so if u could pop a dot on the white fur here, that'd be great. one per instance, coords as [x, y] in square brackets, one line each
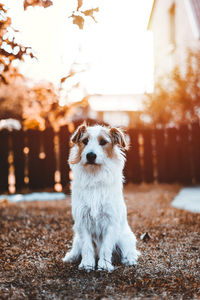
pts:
[98, 208]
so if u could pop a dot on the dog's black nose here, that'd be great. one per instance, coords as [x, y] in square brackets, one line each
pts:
[91, 156]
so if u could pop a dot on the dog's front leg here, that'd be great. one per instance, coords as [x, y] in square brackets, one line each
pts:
[75, 252]
[105, 253]
[87, 252]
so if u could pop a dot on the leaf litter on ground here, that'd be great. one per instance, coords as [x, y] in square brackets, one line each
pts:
[34, 237]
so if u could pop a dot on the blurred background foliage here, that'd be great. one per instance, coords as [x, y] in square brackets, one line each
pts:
[9, 49]
[176, 97]
[36, 106]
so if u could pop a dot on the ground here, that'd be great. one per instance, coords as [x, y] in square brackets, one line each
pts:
[35, 236]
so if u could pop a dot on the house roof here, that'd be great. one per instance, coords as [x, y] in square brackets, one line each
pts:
[117, 102]
[195, 7]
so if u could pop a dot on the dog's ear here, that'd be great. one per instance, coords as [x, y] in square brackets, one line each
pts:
[118, 138]
[78, 133]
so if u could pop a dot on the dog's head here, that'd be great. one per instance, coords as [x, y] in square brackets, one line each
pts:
[94, 146]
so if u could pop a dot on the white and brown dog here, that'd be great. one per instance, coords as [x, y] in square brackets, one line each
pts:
[98, 208]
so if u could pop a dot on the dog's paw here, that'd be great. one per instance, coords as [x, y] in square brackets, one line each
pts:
[69, 257]
[131, 259]
[87, 266]
[104, 265]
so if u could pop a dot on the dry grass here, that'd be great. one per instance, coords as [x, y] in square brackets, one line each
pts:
[35, 236]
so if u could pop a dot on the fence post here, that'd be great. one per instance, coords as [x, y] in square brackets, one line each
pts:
[4, 149]
[195, 143]
[160, 148]
[185, 171]
[49, 160]
[64, 137]
[148, 174]
[133, 168]
[19, 158]
[35, 164]
[172, 156]
[41, 164]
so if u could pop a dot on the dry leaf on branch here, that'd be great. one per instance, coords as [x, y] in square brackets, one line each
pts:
[80, 3]
[78, 20]
[43, 3]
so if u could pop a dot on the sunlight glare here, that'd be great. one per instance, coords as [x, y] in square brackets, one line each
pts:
[117, 49]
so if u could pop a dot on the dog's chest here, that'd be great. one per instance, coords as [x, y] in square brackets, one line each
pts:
[96, 218]
[94, 209]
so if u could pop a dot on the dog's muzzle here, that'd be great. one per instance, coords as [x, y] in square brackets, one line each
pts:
[91, 157]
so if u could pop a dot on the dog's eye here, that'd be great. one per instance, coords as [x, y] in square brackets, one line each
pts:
[103, 142]
[85, 141]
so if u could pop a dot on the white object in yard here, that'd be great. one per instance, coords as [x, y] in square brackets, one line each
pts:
[34, 197]
[10, 124]
[188, 199]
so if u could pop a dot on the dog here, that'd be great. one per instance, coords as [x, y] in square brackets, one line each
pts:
[97, 158]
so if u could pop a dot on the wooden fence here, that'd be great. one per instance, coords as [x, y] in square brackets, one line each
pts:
[164, 155]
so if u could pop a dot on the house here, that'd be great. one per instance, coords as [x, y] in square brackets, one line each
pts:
[117, 110]
[176, 29]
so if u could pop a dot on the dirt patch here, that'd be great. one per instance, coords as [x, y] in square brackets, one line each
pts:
[35, 236]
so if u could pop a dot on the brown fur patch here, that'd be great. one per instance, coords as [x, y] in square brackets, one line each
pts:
[92, 168]
[78, 133]
[107, 148]
[80, 146]
[76, 160]
[118, 138]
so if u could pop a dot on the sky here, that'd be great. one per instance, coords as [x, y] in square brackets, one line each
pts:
[117, 52]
